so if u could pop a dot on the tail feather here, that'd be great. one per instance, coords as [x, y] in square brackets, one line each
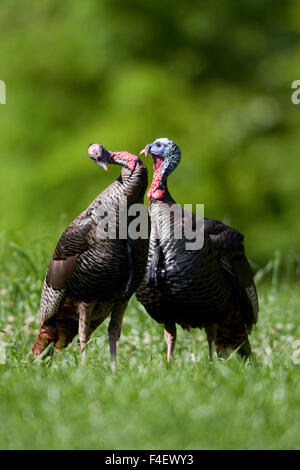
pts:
[46, 335]
[59, 329]
[232, 332]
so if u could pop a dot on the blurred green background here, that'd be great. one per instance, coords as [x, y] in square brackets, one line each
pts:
[214, 76]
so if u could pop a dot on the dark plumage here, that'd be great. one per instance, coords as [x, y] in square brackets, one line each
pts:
[211, 287]
[89, 276]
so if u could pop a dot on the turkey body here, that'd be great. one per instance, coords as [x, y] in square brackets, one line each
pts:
[92, 274]
[210, 287]
[199, 288]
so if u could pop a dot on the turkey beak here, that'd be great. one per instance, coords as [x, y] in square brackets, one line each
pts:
[103, 158]
[104, 165]
[146, 150]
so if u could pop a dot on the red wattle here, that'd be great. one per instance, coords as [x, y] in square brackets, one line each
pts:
[157, 162]
[158, 194]
[154, 190]
[131, 165]
[127, 157]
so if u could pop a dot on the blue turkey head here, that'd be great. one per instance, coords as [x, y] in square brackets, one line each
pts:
[166, 156]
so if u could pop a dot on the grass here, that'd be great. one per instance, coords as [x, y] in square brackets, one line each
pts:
[146, 404]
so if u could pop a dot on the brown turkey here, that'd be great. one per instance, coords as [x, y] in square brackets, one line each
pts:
[211, 287]
[94, 272]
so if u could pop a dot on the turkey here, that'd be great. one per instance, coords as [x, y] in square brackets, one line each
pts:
[210, 287]
[94, 272]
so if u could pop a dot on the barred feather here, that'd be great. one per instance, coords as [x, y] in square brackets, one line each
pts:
[89, 277]
[50, 300]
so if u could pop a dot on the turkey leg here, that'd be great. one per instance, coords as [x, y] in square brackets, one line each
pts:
[170, 338]
[211, 332]
[114, 330]
[84, 312]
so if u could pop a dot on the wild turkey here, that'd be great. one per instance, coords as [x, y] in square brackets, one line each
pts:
[211, 287]
[90, 276]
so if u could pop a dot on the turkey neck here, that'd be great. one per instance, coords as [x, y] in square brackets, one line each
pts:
[130, 184]
[159, 213]
[166, 200]
[133, 184]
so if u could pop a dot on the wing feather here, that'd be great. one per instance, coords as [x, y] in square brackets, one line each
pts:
[229, 244]
[71, 244]
[50, 301]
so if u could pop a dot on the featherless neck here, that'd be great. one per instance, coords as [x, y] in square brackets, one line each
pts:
[158, 192]
[158, 189]
[125, 159]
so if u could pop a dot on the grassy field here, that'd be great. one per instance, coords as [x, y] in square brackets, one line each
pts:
[191, 404]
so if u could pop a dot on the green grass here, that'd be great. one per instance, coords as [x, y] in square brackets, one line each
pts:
[191, 404]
